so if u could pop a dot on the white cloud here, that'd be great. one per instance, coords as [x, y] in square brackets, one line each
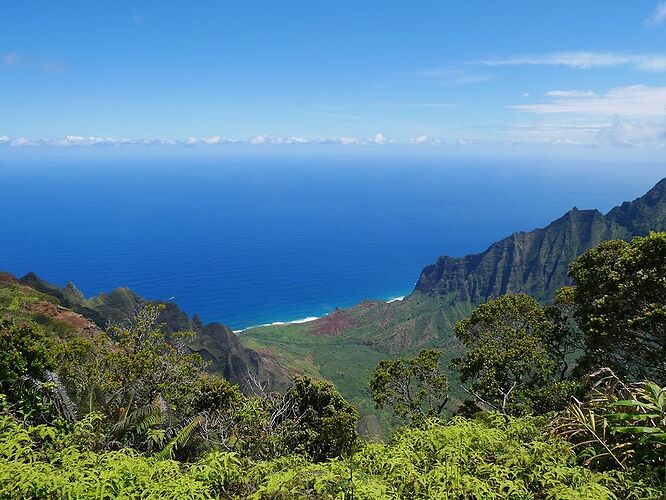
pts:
[557, 131]
[341, 140]
[588, 133]
[570, 93]
[422, 139]
[585, 60]
[658, 16]
[20, 141]
[76, 140]
[633, 101]
[290, 140]
[425, 139]
[632, 133]
[379, 139]
[260, 139]
[215, 140]
[268, 139]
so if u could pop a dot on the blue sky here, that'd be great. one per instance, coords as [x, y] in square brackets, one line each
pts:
[429, 74]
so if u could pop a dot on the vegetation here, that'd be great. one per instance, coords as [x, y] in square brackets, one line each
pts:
[132, 412]
[24, 352]
[483, 458]
[414, 388]
[619, 425]
[620, 299]
[516, 355]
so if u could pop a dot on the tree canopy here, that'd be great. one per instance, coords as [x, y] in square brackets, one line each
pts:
[516, 355]
[413, 388]
[620, 304]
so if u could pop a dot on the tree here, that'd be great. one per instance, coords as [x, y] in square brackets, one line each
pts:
[516, 355]
[414, 388]
[34, 391]
[321, 423]
[24, 351]
[140, 379]
[620, 299]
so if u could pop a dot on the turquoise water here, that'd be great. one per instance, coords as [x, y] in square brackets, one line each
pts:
[247, 241]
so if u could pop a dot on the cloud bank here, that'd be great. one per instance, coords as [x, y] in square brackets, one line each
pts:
[258, 140]
[633, 101]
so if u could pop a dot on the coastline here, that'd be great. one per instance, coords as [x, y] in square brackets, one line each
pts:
[305, 320]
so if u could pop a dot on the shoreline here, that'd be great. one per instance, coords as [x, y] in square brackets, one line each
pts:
[307, 319]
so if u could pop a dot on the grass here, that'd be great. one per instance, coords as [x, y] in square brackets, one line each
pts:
[379, 331]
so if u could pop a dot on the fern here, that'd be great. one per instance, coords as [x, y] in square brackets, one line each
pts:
[625, 424]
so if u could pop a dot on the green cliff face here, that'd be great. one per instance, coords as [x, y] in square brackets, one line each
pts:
[536, 262]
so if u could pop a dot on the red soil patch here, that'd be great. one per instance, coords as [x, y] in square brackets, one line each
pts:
[65, 315]
[7, 278]
[331, 324]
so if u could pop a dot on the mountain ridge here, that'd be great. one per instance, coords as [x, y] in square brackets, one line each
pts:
[536, 262]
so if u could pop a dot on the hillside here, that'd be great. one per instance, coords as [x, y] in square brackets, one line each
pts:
[345, 345]
[215, 342]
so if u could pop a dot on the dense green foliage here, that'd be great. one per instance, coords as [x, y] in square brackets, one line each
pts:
[516, 355]
[131, 375]
[414, 388]
[325, 426]
[619, 425]
[485, 459]
[620, 298]
[25, 351]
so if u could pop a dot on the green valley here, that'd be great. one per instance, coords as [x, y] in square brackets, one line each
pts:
[345, 345]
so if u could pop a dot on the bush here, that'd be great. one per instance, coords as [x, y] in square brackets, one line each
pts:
[490, 457]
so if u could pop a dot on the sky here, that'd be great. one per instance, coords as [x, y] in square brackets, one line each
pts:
[435, 75]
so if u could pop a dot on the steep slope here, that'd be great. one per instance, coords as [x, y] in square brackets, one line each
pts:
[215, 342]
[536, 262]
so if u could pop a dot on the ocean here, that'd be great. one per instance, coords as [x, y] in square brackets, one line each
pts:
[258, 239]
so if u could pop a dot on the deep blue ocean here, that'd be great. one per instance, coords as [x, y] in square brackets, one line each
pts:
[253, 240]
